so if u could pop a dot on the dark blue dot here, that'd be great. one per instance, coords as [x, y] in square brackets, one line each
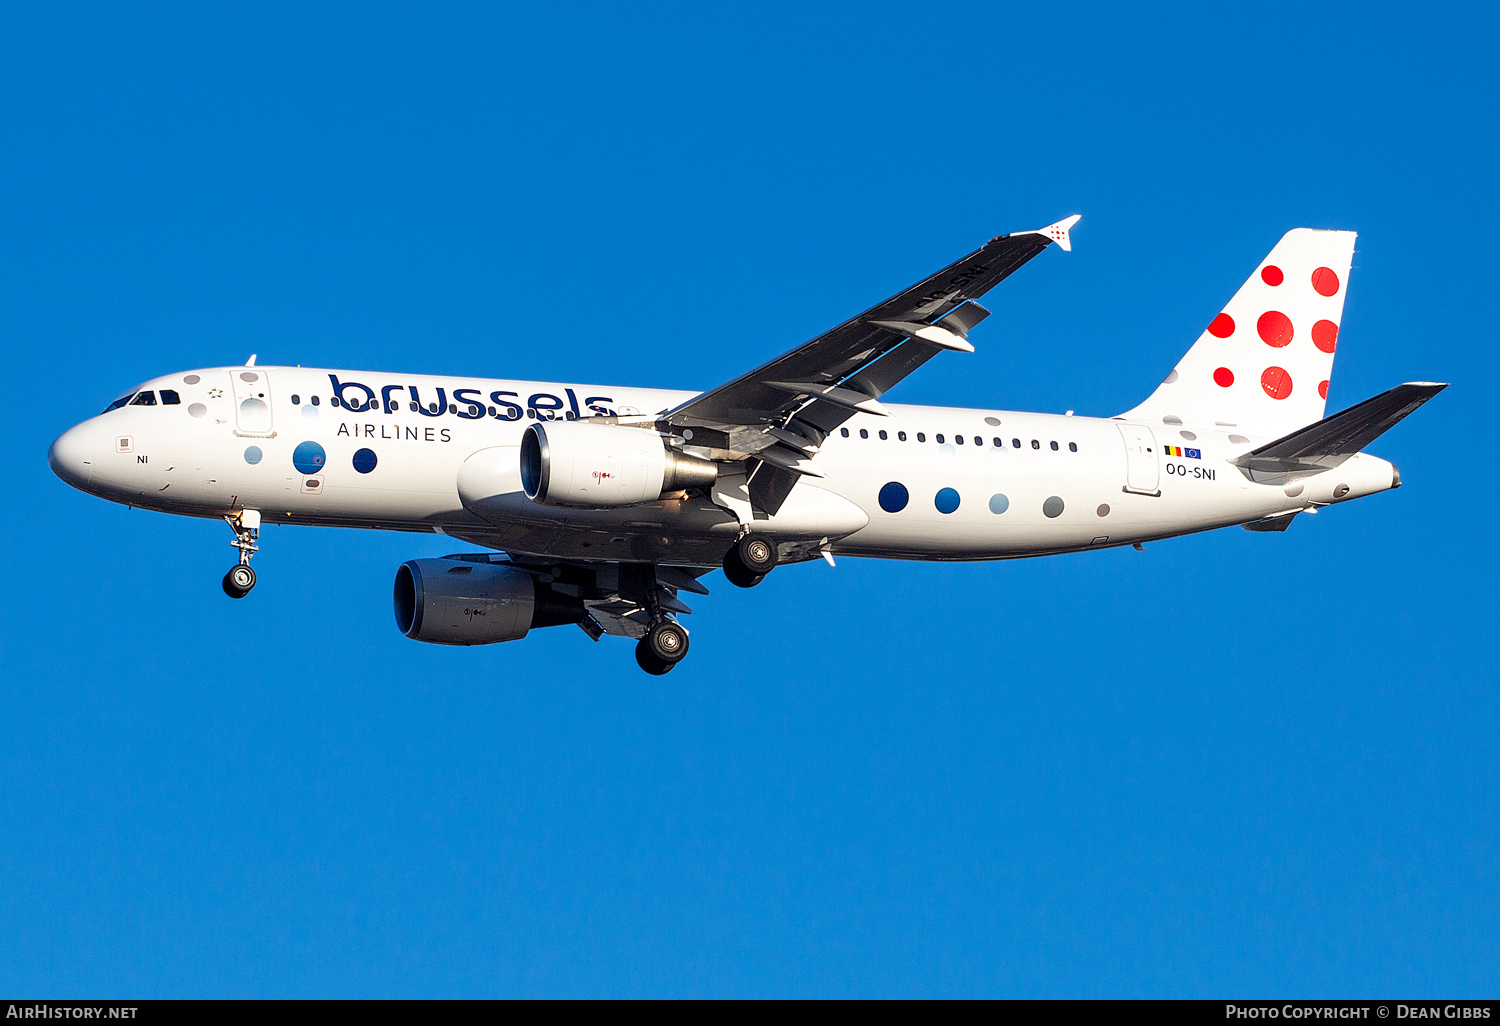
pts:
[253, 455]
[946, 501]
[894, 497]
[308, 458]
[364, 460]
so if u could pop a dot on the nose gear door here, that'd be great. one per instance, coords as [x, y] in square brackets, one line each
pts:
[1142, 466]
[252, 403]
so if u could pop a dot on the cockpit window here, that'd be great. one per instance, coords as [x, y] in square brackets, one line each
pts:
[119, 402]
[144, 399]
[170, 398]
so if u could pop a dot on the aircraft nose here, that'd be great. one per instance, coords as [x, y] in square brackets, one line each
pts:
[72, 456]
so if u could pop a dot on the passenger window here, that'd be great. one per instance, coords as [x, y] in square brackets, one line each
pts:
[144, 399]
[997, 442]
[314, 400]
[883, 436]
[939, 439]
[1072, 446]
[901, 435]
[1016, 442]
[959, 439]
[863, 433]
[296, 400]
[1035, 444]
[1054, 446]
[978, 440]
[844, 432]
[921, 437]
[170, 398]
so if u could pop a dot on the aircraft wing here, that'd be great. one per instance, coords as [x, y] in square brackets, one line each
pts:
[779, 413]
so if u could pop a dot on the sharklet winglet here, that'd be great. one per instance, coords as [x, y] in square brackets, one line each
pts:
[1058, 232]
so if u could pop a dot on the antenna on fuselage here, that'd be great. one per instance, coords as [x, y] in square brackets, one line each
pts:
[250, 362]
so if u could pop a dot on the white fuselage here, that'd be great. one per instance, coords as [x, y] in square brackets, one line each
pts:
[1024, 483]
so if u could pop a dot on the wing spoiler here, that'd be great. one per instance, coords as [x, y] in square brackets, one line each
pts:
[1332, 440]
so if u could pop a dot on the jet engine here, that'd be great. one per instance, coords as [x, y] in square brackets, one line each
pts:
[596, 466]
[453, 602]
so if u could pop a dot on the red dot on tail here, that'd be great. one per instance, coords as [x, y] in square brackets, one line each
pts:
[1275, 328]
[1223, 377]
[1271, 275]
[1325, 282]
[1325, 335]
[1222, 327]
[1277, 382]
[1322, 390]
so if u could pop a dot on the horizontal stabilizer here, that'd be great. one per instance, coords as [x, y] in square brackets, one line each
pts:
[1332, 440]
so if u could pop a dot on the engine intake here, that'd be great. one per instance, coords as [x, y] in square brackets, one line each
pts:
[453, 602]
[597, 466]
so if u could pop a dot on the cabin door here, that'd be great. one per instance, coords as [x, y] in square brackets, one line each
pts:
[252, 402]
[1142, 467]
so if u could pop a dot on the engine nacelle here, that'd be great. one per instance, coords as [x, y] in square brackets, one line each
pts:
[598, 466]
[453, 602]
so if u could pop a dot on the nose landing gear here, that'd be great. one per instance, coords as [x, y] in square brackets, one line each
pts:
[246, 526]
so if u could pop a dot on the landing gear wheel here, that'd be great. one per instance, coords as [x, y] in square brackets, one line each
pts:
[239, 581]
[757, 554]
[736, 572]
[667, 642]
[649, 662]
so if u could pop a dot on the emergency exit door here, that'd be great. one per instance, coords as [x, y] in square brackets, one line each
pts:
[1142, 466]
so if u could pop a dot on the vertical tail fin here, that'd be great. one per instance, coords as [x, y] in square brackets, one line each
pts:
[1263, 363]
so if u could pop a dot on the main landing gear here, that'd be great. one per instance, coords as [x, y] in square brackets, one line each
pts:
[246, 526]
[662, 648]
[752, 557]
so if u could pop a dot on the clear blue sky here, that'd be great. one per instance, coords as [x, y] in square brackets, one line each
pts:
[1238, 763]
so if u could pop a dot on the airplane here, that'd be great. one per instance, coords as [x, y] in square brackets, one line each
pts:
[599, 505]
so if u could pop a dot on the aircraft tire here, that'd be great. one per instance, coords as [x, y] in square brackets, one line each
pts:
[737, 573]
[648, 660]
[757, 554]
[238, 581]
[668, 642]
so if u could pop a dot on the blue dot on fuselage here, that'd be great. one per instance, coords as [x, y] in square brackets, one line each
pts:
[252, 455]
[364, 460]
[308, 458]
[894, 497]
[946, 500]
[999, 504]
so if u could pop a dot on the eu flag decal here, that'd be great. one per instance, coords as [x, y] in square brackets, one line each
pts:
[1177, 450]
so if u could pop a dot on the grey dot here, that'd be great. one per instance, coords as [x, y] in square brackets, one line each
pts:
[191, 379]
[1170, 378]
[1340, 491]
[1188, 435]
[1171, 419]
[1239, 439]
[999, 504]
[1293, 490]
[247, 376]
[1103, 509]
[1053, 507]
[992, 421]
[197, 410]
